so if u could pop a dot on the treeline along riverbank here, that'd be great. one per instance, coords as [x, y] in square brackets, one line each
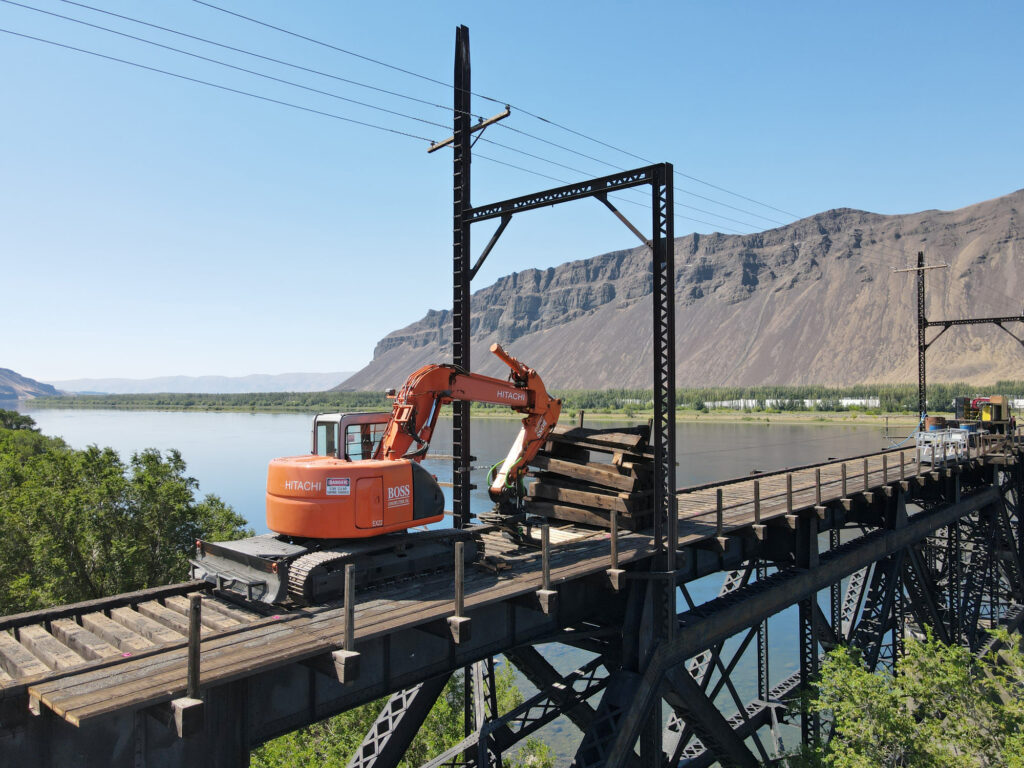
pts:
[879, 399]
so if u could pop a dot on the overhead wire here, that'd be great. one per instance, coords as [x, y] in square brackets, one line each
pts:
[338, 96]
[214, 85]
[518, 108]
[349, 81]
[394, 93]
[228, 65]
[278, 101]
[877, 247]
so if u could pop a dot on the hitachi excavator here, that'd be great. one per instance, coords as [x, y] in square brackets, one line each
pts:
[353, 498]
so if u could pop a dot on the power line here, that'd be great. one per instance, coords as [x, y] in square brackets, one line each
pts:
[487, 98]
[327, 45]
[271, 59]
[228, 65]
[216, 85]
[296, 106]
[332, 95]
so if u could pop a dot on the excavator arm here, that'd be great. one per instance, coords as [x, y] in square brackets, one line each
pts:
[417, 404]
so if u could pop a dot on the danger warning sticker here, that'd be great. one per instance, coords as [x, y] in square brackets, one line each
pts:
[339, 486]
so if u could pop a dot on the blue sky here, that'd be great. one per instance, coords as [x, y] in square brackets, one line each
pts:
[152, 226]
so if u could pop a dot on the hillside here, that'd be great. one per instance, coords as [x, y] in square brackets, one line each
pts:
[813, 302]
[14, 386]
[257, 382]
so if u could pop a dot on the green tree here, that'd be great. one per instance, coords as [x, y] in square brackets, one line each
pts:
[944, 709]
[15, 420]
[81, 524]
[332, 742]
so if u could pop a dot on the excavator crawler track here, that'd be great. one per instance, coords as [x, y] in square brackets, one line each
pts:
[319, 576]
[317, 569]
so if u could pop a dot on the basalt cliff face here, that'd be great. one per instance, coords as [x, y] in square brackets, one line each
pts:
[813, 302]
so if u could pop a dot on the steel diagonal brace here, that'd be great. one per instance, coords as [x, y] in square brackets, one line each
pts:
[719, 619]
[603, 197]
[397, 724]
[545, 677]
[707, 722]
[572, 690]
[922, 590]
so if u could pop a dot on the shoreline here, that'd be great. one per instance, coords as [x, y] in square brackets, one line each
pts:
[765, 418]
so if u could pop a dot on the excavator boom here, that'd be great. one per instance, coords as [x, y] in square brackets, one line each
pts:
[417, 405]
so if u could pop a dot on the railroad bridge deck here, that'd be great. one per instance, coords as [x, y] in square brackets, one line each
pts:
[100, 683]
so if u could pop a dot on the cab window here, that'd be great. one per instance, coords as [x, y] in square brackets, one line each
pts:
[362, 440]
[327, 439]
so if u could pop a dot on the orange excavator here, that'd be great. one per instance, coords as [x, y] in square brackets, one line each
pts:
[352, 499]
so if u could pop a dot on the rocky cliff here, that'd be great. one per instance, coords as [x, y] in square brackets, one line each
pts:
[14, 386]
[813, 302]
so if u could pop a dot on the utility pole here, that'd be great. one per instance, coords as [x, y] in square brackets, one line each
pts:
[923, 324]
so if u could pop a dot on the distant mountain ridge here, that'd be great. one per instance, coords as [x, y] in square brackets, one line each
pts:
[812, 302]
[256, 382]
[14, 386]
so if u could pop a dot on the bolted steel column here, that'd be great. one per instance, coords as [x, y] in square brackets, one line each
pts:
[663, 272]
[461, 276]
[922, 342]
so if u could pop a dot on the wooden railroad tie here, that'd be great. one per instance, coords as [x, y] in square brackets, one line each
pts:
[585, 476]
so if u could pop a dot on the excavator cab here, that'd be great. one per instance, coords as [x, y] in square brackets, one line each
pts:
[350, 436]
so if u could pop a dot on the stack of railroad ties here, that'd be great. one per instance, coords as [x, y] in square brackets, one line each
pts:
[578, 481]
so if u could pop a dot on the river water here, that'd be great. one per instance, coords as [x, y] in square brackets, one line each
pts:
[228, 453]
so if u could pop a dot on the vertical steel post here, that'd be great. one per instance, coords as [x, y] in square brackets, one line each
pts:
[757, 501]
[955, 582]
[614, 518]
[195, 615]
[350, 607]
[461, 276]
[843, 471]
[922, 343]
[460, 571]
[663, 273]
[545, 556]
[835, 598]
[763, 671]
